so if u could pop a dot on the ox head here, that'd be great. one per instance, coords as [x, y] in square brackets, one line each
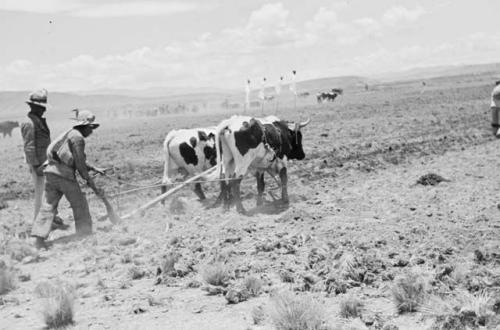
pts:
[296, 151]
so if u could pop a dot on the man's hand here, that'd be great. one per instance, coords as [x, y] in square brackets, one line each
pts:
[39, 169]
[99, 170]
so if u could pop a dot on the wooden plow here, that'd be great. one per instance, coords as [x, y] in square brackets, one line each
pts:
[162, 197]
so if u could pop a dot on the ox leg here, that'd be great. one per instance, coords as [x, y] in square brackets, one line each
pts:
[198, 191]
[284, 185]
[260, 187]
[222, 194]
[235, 189]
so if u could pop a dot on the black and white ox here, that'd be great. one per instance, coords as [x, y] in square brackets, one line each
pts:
[190, 151]
[6, 127]
[328, 96]
[256, 145]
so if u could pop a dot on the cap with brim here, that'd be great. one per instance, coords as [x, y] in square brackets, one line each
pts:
[86, 118]
[38, 98]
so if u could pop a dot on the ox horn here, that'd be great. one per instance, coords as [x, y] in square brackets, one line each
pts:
[303, 124]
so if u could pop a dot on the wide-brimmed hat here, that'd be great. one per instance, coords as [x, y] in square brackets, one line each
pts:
[38, 97]
[86, 118]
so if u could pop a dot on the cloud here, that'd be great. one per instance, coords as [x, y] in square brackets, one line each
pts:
[400, 14]
[106, 8]
[267, 44]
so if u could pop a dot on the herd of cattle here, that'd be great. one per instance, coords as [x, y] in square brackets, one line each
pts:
[6, 127]
[237, 146]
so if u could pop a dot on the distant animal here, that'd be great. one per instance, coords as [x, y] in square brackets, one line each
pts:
[6, 127]
[329, 96]
[257, 145]
[303, 94]
[269, 97]
[191, 151]
[254, 104]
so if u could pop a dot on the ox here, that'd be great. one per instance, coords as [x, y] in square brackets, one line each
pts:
[245, 144]
[191, 151]
[329, 96]
[6, 127]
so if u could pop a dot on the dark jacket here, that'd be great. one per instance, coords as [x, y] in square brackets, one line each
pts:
[36, 137]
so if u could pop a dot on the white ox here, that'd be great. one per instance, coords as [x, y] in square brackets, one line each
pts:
[190, 151]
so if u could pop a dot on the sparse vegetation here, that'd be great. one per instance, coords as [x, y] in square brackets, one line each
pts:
[216, 274]
[57, 303]
[258, 314]
[350, 307]
[253, 285]
[408, 292]
[462, 310]
[7, 280]
[291, 312]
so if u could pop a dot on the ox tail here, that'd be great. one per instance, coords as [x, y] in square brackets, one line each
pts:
[218, 173]
[166, 154]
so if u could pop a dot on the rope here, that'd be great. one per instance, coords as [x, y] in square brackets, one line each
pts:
[126, 192]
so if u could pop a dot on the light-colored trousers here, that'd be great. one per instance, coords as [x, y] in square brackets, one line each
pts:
[38, 182]
[55, 188]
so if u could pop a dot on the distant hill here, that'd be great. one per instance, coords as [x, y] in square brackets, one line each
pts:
[440, 71]
[168, 99]
[159, 92]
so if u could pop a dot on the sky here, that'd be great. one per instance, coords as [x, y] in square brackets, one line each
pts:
[85, 45]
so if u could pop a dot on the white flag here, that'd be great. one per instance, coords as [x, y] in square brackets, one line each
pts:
[247, 93]
[277, 88]
[262, 94]
[293, 84]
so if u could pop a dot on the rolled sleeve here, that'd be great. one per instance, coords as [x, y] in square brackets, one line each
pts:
[28, 133]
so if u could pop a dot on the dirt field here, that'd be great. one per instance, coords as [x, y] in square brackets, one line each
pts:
[357, 221]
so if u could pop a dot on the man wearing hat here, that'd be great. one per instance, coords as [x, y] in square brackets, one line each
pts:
[495, 109]
[36, 137]
[66, 156]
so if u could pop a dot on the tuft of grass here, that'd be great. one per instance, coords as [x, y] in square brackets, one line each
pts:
[216, 274]
[461, 310]
[350, 268]
[351, 307]
[136, 273]
[57, 303]
[7, 280]
[291, 312]
[253, 285]
[168, 264]
[408, 292]
[258, 314]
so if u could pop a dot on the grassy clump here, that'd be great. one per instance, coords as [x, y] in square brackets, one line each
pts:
[7, 280]
[57, 303]
[291, 312]
[216, 274]
[351, 307]
[253, 285]
[408, 292]
[462, 310]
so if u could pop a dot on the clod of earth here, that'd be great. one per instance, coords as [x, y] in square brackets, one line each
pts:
[431, 179]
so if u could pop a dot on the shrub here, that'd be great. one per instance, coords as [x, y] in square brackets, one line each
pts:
[7, 280]
[253, 285]
[216, 274]
[290, 312]
[258, 315]
[351, 307]
[57, 299]
[462, 310]
[408, 292]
